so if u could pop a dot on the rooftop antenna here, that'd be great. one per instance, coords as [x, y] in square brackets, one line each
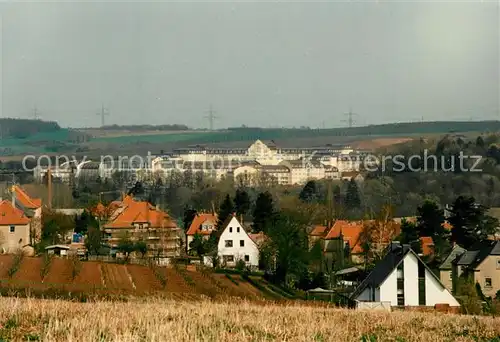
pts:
[104, 112]
[211, 117]
[350, 118]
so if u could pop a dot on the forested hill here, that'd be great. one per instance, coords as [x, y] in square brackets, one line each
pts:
[430, 127]
[23, 128]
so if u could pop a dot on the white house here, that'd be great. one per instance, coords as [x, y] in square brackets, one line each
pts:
[402, 279]
[235, 244]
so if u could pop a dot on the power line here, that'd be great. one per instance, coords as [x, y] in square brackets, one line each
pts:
[103, 113]
[350, 118]
[211, 117]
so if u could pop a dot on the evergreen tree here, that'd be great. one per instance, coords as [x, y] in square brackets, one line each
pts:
[188, 217]
[309, 192]
[470, 222]
[226, 209]
[352, 200]
[263, 212]
[241, 202]
[430, 220]
[409, 235]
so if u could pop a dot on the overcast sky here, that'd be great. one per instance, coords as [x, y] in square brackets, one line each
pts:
[266, 64]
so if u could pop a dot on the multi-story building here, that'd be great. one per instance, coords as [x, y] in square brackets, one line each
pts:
[141, 221]
[14, 228]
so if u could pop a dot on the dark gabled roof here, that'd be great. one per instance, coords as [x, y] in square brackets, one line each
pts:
[395, 254]
[477, 253]
[456, 252]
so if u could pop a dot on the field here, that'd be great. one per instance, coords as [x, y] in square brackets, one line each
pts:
[63, 279]
[157, 319]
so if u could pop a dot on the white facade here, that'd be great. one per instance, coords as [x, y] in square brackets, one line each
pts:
[387, 291]
[235, 244]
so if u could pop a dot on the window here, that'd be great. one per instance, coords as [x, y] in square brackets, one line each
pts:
[498, 264]
[247, 257]
[228, 258]
[229, 243]
[12, 229]
[487, 282]
[238, 229]
[230, 229]
[451, 276]
[242, 243]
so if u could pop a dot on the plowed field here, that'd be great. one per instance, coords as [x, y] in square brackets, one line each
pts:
[102, 278]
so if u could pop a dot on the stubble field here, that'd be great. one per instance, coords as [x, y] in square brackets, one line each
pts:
[236, 320]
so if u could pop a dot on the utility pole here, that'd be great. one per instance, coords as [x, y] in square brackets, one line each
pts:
[350, 118]
[102, 114]
[211, 117]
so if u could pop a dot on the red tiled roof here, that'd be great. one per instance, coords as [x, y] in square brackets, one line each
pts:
[10, 215]
[318, 231]
[258, 238]
[198, 221]
[25, 199]
[137, 212]
[427, 245]
[350, 232]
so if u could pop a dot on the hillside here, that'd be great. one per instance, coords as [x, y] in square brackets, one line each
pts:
[62, 277]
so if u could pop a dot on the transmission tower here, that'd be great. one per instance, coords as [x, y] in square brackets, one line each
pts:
[211, 118]
[36, 113]
[103, 114]
[350, 118]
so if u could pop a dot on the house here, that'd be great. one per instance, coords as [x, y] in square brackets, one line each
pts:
[402, 279]
[141, 221]
[203, 224]
[445, 269]
[236, 244]
[32, 208]
[481, 264]
[14, 228]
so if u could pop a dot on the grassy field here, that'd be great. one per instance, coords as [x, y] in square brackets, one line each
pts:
[236, 320]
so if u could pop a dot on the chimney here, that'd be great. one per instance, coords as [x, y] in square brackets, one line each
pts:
[13, 198]
[157, 207]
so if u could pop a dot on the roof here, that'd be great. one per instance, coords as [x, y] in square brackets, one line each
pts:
[198, 221]
[351, 231]
[57, 246]
[10, 215]
[318, 231]
[473, 257]
[25, 200]
[258, 238]
[396, 252]
[427, 245]
[455, 252]
[140, 212]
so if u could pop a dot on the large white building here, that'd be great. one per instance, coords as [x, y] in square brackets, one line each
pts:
[402, 279]
[285, 166]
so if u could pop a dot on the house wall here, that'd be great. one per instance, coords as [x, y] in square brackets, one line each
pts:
[435, 293]
[249, 248]
[445, 277]
[388, 289]
[489, 268]
[411, 280]
[10, 242]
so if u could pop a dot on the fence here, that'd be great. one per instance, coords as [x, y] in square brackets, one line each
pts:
[376, 306]
[134, 261]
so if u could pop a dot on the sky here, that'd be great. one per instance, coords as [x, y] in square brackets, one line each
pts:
[257, 63]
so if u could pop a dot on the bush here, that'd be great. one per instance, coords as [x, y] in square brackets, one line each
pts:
[16, 263]
[240, 265]
[44, 270]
